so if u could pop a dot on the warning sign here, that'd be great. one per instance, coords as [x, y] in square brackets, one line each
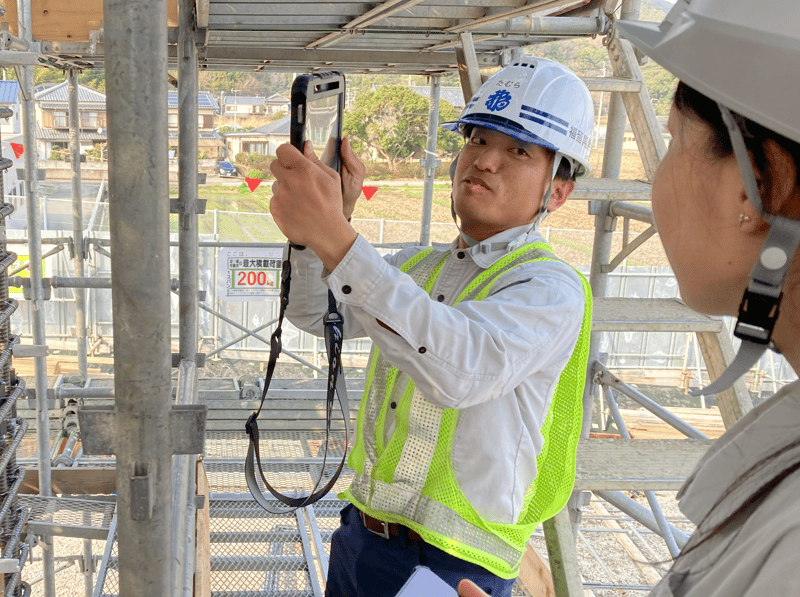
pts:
[250, 274]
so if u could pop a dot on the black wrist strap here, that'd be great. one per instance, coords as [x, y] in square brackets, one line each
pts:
[336, 388]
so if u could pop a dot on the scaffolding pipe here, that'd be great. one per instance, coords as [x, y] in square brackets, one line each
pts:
[655, 507]
[187, 180]
[135, 37]
[66, 282]
[431, 161]
[186, 393]
[77, 218]
[605, 377]
[634, 211]
[34, 225]
[640, 514]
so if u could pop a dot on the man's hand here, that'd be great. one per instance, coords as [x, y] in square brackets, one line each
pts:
[307, 204]
[467, 588]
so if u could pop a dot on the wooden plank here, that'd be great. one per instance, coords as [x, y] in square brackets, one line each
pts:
[202, 558]
[717, 354]
[534, 574]
[62, 20]
[642, 424]
[74, 481]
[638, 106]
[563, 556]
[619, 464]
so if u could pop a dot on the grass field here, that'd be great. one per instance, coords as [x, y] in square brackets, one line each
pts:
[393, 213]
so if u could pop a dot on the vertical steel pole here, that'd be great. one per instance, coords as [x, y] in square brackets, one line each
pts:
[136, 87]
[77, 218]
[187, 179]
[37, 295]
[431, 160]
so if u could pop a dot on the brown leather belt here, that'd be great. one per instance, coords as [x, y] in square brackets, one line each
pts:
[387, 529]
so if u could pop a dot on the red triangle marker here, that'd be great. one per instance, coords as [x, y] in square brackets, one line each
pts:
[18, 149]
[369, 192]
[253, 183]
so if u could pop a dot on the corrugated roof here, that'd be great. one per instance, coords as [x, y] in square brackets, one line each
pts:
[205, 101]
[277, 98]
[239, 100]
[47, 134]
[9, 92]
[59, 94]
[276, 127]
[202, 135]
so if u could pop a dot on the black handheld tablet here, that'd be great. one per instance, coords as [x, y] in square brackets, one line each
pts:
[317, 109]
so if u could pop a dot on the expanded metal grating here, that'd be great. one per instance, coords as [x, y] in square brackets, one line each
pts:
[291, 461]
[68, 517]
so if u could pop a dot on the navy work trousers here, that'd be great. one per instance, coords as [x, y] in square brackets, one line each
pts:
[363, 564]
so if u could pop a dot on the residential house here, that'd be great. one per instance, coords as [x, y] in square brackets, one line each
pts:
[52, 118]
[237, 105]
[209, 142]
[276, 103]
[9, 98]
[263, 140]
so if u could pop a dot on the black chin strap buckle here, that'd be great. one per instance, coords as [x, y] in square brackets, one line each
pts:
[757, 316]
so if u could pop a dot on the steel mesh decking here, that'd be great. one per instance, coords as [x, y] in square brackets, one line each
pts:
[291, 461]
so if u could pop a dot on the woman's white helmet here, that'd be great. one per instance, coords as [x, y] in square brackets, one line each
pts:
[536, 101]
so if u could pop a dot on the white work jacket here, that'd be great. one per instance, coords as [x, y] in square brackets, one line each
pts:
[497, 360]
[758, 553]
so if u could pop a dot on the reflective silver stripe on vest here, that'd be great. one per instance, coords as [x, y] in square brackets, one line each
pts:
[420, 444]
[435, 517]
[385, 376]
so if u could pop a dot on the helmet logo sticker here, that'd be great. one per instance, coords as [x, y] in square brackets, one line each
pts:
[499, 100]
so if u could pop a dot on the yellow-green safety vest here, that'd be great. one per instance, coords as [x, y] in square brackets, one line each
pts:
[428, 499]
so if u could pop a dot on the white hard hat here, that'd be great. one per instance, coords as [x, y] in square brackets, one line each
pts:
[742, 54]
[536, 101]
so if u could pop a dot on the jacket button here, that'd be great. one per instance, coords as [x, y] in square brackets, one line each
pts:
[460, 254]
[422, 350]
[346, 289]
[393, 405]
[440, 298]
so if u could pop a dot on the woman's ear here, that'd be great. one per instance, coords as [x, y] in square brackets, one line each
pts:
[560, 191]
[784, 191]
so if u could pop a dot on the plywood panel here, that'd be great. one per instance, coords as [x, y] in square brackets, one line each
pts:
[61, 20]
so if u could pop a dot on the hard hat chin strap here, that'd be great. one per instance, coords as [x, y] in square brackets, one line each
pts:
[546, 199]
[759, 308]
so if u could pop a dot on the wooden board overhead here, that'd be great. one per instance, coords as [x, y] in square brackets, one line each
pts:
[60, 20]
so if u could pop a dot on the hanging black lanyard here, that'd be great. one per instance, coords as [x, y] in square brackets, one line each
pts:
[336, 387]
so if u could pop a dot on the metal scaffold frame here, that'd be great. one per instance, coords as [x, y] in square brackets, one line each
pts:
[163, 491]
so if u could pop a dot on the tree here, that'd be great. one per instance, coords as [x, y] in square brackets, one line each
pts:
[392, 123]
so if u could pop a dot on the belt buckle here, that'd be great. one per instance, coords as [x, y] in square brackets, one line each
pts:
[384, 526]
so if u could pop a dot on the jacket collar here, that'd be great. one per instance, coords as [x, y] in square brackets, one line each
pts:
[486, 252]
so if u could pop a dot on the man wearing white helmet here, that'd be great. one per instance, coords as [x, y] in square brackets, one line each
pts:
[465, 382]
[726, 201]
